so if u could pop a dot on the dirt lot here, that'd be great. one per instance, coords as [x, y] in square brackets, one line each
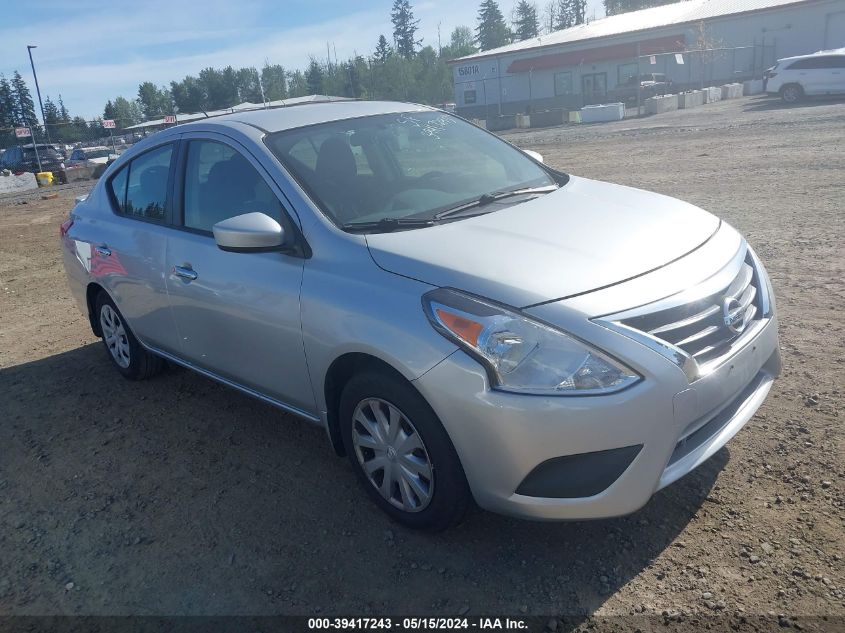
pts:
[180, 496]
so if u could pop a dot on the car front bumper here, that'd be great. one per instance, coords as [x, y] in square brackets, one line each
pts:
[665, 426]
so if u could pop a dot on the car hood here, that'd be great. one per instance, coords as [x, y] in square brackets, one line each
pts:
[585, 236]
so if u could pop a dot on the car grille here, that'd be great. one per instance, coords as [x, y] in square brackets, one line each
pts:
[705, 329]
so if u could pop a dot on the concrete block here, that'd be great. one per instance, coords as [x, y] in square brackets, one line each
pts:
[752, 87]
[712, 94]
[523, 121]
[731, 91]
[603, 113]
[656, 105]
[75, 174]
[9, 183]
[687, 100]
[547, 118]
[500, 123]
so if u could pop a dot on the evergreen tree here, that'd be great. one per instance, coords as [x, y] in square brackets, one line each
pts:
[297, 85]
[404, 28]
[314, 78]
[249, 85]
[7, 105]
[526, 24]
[109, 111]
[24, 106]
[614, 7]
[569, 13]
[491, 31]
[383, 50]
[274, 80]
[64, 116]
[51, 117]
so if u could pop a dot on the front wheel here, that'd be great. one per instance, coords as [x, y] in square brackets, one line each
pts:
[401, 453]
[791, 93]
[125, 352]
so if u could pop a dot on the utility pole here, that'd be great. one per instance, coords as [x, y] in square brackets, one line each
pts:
[38, 92]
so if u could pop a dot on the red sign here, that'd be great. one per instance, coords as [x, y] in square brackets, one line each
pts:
[22, 132]
[170, 118]
[108, 123]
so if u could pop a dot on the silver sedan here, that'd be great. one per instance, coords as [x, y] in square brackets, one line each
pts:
[465, 322]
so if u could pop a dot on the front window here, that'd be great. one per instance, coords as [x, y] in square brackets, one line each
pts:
[220, 183]
[413, 165]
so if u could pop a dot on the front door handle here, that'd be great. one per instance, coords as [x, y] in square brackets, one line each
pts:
[105, 251]
[185, 273]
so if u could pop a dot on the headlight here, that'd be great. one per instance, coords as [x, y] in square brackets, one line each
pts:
[523, 355]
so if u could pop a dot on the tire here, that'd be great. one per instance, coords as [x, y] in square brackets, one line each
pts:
[428, 489]
[791, 93]
[123, 349]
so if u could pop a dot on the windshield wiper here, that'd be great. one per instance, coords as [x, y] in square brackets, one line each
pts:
[388, 224]
[488, 198]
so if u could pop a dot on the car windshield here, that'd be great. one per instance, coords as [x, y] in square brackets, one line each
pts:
[405, 166]
[100, 153]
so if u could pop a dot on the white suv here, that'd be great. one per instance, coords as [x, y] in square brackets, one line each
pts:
[821, 73]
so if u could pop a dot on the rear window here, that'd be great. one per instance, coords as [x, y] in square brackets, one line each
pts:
[140, 188]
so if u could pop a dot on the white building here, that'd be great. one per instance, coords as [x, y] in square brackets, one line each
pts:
[579, 65]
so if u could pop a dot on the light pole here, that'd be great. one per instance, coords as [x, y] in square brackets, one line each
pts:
[38, 92]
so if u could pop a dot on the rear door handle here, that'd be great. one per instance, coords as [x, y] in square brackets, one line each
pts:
[185, 273]
[105, 251]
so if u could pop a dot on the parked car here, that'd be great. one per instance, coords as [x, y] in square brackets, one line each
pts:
[91, 157]
[793, 78]
[464, 321]
[647, 84]
[22, 158]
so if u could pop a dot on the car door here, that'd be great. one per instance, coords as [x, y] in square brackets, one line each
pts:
[127, 246]
[835, 81]
[237, 313]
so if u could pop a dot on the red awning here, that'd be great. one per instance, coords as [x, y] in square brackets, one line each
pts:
[668, 44]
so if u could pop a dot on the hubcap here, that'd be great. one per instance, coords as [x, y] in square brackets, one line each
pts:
[392, 454]
[114, 334]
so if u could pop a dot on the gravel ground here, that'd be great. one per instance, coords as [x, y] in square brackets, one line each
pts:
[180, 496]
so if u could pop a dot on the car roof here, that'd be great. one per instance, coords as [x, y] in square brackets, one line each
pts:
[832, 51]
[291, 117]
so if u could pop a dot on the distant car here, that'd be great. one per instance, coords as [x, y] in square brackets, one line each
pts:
[23, 158]
[793, 78]
[91, 156]
[648, 84]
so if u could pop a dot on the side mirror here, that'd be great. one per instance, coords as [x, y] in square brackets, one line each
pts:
[249, 232]
[535, 155]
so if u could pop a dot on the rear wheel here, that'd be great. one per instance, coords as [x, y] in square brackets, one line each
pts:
[125, 352]
[791, 93]
[401, 453]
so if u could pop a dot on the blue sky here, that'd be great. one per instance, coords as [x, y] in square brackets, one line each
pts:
[90, 51]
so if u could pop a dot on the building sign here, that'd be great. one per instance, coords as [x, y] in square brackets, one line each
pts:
[22, 132]
[108, 123]
[170, 118]
[468, 71]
